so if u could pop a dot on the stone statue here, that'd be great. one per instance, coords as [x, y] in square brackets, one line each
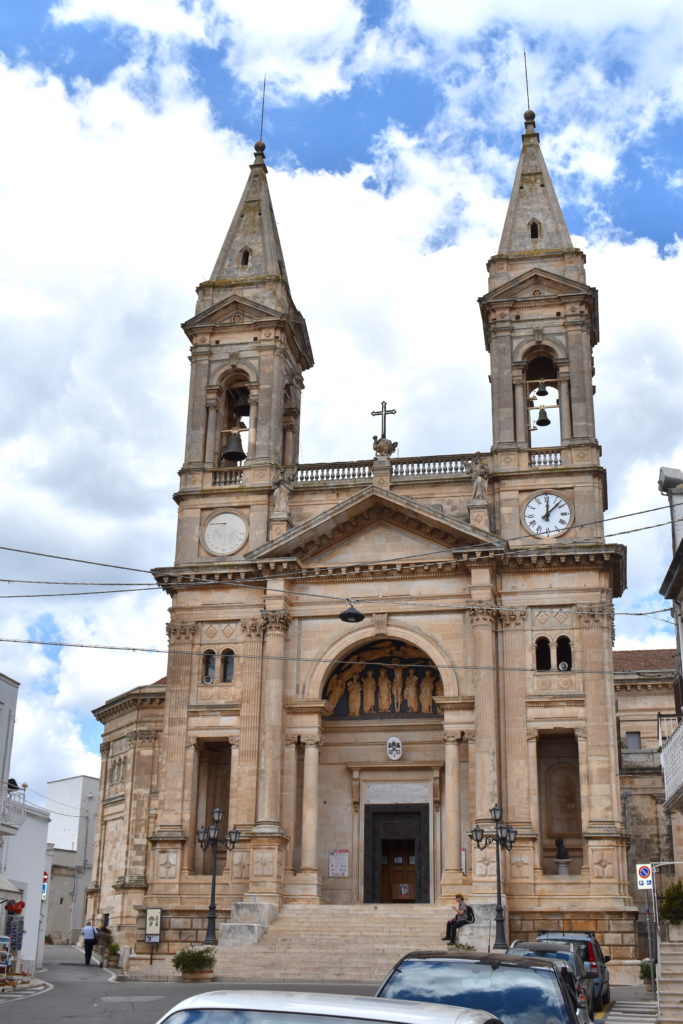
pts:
[412, 683]
[383, 446]
[281, 491]
[427, 692]
[369, 692]
[480, 480]
[562, 851]
[354, 696]
[335, 691]
[384, 685]
[397, 686]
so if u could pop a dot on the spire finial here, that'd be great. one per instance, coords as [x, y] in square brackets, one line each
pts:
[263, 107]
[526, 79]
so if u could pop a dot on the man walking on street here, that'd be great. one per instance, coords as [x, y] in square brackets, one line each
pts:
[89, 934]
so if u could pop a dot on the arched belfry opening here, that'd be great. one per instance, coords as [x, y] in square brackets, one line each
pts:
[234, 419]
[544, 429]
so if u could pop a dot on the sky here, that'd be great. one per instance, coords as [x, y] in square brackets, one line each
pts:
[392, 130]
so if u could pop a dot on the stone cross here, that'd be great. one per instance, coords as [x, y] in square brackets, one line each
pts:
[384, 412]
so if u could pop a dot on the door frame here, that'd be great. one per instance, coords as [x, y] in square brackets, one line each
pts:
[395, 821]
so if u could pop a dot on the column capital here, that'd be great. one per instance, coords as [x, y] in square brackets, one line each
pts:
[512, 618]
[181, 631]
[532, 734]
[276, 622]
[312, 741]
[253, 628]
[453, 737]
[482, 614]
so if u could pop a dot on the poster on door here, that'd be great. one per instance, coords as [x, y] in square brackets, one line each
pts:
[338, 864]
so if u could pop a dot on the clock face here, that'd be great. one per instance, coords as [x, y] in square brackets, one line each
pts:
[547, 515]
[225, 533]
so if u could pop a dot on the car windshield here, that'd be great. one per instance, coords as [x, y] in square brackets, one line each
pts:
[226, 1015]
[516, 995]
[551, 954]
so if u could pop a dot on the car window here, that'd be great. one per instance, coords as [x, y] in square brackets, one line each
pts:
[225, 1015]
[517, 996]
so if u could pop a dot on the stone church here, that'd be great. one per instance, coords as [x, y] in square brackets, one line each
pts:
[354, 747]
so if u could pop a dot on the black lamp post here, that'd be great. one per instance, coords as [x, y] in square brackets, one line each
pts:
[207, 836]
[501, 835]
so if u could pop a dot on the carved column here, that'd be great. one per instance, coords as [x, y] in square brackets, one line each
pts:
[521, 413]
[211, 426]
[565, 410]
[482, 622]
[245, 803]
[517, 796]
[289, 796]
[309, 830]
[270, 752]
[452, 827]
[180, 665]
[532, 768]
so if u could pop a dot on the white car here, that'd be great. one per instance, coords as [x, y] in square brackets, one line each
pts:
[261, 1007]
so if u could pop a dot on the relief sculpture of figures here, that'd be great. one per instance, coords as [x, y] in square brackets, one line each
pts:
[369, 692]
[397, 686]
[354, 695]
[412, 683]
[384, 684]
[427, 692]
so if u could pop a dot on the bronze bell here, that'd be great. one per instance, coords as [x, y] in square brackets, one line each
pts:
[232, 449]
[240, 405]
[543, 418]
[541, 390]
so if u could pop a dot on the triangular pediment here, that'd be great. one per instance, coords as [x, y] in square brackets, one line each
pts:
[376, 526]
[536, 284]
[233, 309]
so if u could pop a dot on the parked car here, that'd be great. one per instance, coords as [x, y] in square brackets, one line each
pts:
[519, 990]
[570, 956]
[593, 958]
[257, 1007]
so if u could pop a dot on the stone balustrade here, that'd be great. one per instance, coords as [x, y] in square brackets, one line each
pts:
[545, 457]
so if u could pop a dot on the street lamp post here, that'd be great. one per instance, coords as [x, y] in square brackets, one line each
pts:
[502, 835]
[207, 836]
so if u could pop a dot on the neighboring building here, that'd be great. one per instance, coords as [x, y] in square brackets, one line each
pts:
[12, 798]
[644, 683]
[671, 484]
[72, 804]
[355, 756]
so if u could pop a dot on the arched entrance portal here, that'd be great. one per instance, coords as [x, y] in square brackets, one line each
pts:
[383, 724]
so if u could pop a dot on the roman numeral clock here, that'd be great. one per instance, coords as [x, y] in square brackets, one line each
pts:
[547, 514]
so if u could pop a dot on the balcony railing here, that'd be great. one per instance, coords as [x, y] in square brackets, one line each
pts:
[672, 765]
[640, 760]
[12, 809]
[401, 469]
[323, 472]
[431, 465]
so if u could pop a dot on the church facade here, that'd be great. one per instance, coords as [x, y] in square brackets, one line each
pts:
[354, 754]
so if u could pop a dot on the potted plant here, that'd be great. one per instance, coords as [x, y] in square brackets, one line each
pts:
[195, 963]
[646, 972]
[113, 950]
[671, 909]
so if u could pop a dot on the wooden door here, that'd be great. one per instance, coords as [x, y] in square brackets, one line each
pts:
[397, 881]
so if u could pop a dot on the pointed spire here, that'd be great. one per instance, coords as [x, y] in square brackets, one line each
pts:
[534, 221]
[250, 261]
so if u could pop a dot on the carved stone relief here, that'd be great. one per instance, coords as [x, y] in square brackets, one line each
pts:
[384, 677]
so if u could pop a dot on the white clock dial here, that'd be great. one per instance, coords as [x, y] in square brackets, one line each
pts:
[547, 514]
[225, 533]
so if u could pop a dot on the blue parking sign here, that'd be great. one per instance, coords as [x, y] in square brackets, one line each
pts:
[644, 872]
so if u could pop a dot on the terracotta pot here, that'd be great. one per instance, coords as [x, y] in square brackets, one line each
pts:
[204, 975]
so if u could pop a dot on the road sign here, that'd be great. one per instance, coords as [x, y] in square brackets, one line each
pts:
[644, 872]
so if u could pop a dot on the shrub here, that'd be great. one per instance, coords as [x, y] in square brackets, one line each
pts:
[195, 959]
[671, 907]
[646, 969]
[113, 949]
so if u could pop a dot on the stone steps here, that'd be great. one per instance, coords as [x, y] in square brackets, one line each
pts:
[670, 983]
[344, 943]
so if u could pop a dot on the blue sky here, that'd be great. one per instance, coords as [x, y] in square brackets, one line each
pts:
[392, 130]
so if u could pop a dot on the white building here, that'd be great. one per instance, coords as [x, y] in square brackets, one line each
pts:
[72, 804]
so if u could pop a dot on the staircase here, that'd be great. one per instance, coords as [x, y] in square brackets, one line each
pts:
[670, 983]
[342, 943]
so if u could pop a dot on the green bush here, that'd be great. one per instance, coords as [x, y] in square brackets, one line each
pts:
[671, 907]
[197, 959]
[113, 949]
[646, 969]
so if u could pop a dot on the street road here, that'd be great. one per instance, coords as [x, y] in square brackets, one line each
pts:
[83, 994]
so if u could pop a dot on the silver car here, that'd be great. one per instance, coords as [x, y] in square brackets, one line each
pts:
[259, 1007]
[570, 957]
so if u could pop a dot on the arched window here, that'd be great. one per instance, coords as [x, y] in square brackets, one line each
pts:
[534, 229]
[542, 654]
[227, 665]
[245, 257]
[564, 653]
[209, 667]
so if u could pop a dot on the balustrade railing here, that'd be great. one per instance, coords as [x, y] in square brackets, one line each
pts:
[322, 472]
[431, 465]
[545, 457]
[672, 764]
[227, 477]
[13, 808]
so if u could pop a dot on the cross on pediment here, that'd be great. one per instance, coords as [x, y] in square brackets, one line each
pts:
[384, 412]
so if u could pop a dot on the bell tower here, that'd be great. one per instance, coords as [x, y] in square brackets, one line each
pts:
[540, 326]
[249, 350]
